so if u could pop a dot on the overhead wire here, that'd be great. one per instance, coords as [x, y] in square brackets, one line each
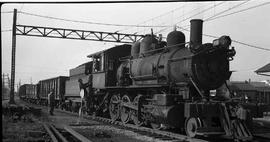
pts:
[242, 10]
[235, 6]
[164, 15]
[257, 47]
[183, 13]
[19, 14]
[236, 41]
[215, 16]
[194, 15]
[195, 9]
[88, 22]
[37, 67]
[178, 17]
[7, 12]
[247, 70]
[151, 19]
[6, 30]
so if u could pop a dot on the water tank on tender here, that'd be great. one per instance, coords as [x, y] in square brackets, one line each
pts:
[148, 43]
[135, 49]
[175, 38]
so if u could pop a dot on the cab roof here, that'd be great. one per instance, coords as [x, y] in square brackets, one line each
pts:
[103, 51]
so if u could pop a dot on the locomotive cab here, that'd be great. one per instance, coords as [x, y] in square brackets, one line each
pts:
[105, 65]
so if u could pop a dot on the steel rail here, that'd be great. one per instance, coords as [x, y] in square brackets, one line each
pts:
[156, 133]
[58, 134]
[153, 133]
[76, 134]
[54, 139]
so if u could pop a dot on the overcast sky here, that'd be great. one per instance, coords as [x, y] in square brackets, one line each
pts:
[40, 58]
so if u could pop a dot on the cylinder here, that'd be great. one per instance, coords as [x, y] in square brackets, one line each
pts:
[196, 32]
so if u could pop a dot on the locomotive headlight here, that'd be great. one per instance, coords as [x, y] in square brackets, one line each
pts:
[224, 41]
[216, 42]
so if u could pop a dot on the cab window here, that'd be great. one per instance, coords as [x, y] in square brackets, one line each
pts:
[98, 63]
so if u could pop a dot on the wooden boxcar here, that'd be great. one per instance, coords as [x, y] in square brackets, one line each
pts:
[57, 84]
[29, 92]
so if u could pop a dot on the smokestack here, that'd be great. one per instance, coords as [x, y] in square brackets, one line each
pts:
[195, 32]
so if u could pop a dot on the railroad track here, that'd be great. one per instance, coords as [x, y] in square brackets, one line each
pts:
[64, 135]
[157, 134]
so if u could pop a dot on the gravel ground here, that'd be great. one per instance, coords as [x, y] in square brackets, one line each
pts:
[106, 133]
[97, 131]
[22, 131]
[93, 130]
[27, 129]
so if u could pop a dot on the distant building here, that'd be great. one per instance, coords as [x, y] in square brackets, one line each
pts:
[254, 92]
[263, 91]
[243, 90]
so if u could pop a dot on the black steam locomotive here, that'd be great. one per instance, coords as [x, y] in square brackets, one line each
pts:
[163, 84]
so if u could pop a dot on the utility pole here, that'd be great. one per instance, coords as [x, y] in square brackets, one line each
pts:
[13, 54]
[3, 86]
[3, 79]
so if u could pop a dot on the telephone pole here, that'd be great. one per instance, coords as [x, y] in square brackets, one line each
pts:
[13, 54]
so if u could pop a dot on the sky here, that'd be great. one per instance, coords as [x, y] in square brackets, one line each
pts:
[40, 58]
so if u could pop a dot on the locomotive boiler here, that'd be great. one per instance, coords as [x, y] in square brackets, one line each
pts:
[205, 66]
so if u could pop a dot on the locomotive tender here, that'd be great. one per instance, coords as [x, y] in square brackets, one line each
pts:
[165, 84]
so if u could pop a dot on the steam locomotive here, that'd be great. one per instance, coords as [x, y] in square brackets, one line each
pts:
[161, 84]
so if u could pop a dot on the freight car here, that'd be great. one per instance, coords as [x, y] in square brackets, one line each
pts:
[28, 92]
[163, 84]
[57, 85]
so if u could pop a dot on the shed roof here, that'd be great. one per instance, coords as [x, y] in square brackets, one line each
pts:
[264, 69]
[105, 50]
[83, 64]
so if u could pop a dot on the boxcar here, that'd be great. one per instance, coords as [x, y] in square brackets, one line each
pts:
[57, 84]
[29, 92]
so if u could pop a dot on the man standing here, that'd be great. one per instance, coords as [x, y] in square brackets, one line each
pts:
[83, 93]
[86, 89]
[51, 100]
